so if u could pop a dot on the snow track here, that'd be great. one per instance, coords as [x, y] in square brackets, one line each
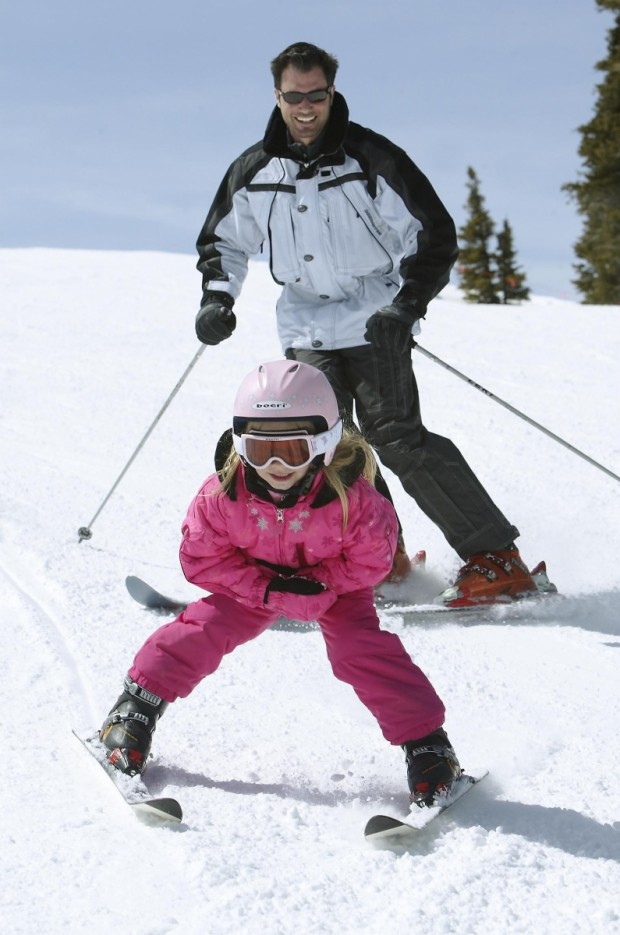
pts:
[41, 631]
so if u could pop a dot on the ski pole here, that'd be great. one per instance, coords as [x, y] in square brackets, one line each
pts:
[516, 412]
[85, 532]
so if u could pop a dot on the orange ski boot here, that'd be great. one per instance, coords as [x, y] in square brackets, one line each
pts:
[489, 578]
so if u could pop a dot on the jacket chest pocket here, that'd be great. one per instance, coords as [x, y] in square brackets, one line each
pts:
[359, 237]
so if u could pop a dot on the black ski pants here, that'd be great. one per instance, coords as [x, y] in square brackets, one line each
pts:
[382, 387]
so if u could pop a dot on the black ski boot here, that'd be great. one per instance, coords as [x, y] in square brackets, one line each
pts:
[128, 728]
[432, 767]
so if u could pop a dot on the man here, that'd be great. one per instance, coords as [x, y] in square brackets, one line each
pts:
[360, 243]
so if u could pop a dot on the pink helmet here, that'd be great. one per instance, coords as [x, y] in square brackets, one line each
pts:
[284, 390]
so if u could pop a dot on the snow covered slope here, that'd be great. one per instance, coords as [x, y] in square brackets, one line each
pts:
[278, 765]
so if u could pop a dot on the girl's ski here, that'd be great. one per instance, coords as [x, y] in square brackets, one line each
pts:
[132, 788]
[385, 827]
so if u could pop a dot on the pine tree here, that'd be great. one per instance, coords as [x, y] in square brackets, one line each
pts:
[598, 193]
[475, 258]
[510, 280]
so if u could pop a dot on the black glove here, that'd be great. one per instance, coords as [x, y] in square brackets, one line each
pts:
[390, 327]
[216, 320]
[293, 585]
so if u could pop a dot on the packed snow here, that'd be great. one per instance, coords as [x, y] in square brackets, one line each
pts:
[277, 765]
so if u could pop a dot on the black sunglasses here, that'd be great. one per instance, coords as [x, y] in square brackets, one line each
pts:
[296, 97]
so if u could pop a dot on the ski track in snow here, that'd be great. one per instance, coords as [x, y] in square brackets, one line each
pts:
[32, 608]
[276, 764]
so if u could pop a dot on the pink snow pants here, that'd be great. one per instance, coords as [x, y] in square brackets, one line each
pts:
[177, 656]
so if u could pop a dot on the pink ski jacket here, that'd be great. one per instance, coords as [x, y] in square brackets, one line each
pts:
[234, 545]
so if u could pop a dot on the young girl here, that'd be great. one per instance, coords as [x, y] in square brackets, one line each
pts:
[290, 525]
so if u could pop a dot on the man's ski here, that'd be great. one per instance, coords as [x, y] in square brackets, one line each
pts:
[399, 599]
[395, 830]
[407, 597]
[154, 600]
[144, 594]
[132, 788]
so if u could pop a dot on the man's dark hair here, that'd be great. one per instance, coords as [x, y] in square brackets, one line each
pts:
[304, 57]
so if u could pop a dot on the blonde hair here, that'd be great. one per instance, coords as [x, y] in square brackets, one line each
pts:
[346, 454]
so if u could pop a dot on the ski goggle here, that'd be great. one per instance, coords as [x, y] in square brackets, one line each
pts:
[296, 97]
[295, 450]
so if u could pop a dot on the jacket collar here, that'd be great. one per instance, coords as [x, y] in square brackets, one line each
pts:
[254, 484]
[276, 141]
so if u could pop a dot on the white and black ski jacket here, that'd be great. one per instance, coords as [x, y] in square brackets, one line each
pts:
[346, 230]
